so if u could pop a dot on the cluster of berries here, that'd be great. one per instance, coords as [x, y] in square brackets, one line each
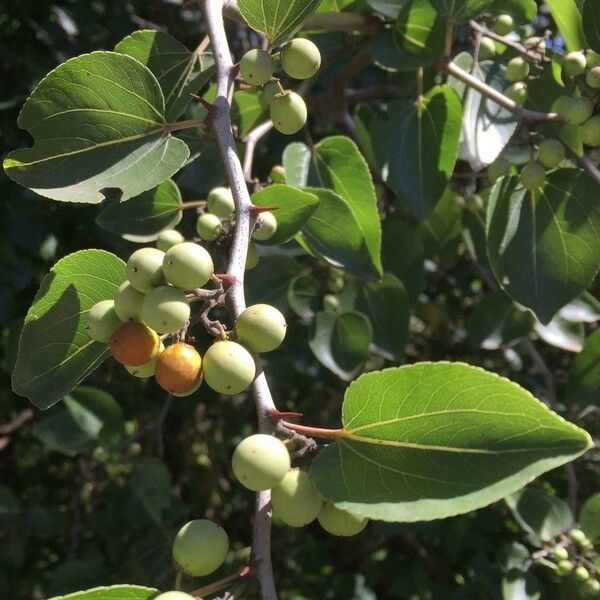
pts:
[300, 59]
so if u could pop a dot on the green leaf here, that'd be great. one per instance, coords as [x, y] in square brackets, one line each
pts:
[142, 218]
[584, 375]
[98, 123]
[304, 295]
[431, 440]
[585, 309]
[341, 342]
[423, 147]
[343, 169]
[178, 71]
[151, 486]
[522, 10]
[544, 246]
[113, 592]
[520, 585]
[269, 281]
[277, 19]
[561, 333]
[460, 11]
[591, 24]
[388, 8]
[568, 19]
[246, 110]
[589, 517]
[294, 208]
[299, 168]
[390, 54]
[442, 230]
[386, 305]
[55, 352]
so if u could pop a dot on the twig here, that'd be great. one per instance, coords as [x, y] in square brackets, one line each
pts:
[587, 165]
[21, 419]
[217, 586]
[221, 124]
[251, 140]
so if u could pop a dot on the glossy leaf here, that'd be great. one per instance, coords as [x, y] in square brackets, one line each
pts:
[388, 8]
[298, 165]
[441, 231]
[568, 19]
[269, 281]
[561, 333]
[246, 111]
[303, 295]
[55, 352]
[589, 517]
[591, 24]
[113, 142]
[460, 11]
[585, 309]
[520, 585]
[113, 592]
[522, 10]
[544, 246]
[583, 385]
[430, 440]
[151, 486]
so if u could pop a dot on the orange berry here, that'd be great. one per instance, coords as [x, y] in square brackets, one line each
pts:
[134, 344]
[178, 368]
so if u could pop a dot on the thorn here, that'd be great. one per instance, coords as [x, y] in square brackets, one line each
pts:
[277, 415]
[256, 210]
[207, 105]
[245, 571]
[226, 278]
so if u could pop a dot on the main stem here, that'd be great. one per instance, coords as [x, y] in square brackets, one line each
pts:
[221, 123]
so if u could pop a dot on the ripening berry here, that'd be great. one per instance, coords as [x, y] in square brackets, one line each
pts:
[190, 391]
[200, 547]
[533, 175]
[168, 238]
[128, 302]
[265, 227]
[260, 462]
[551, 153]
[504, 24]
[228, 368]
[517, 69]
[592, 78]
[146, 370]
[517, 92]
[592, 59]
[574, 63]
[175, 596]
[134, 344]
[339, 522]
[220, 202]
[590, 132]
[252, 257]
[209, 227]
[256, 67]
[487, 48]
[144, 269]
[188, 266]
[261, 328]
[166, 309]
[178, 368]
[560, 553]
[331, 302]
[499, 168]
[277, 174]
[576, 111]
[102, 321]
[288, 113]
[300, 58]
[295, 499]
[268, 93]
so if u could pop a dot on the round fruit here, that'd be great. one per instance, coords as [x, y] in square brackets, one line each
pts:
[590, 132]
[574, 63]
[578, 536]
[134, 344]
[256, 66]
[551, 153]
[592, 59]
[487, 48]
[252, 257]
[565, 567]
[339, 522]
[268, 93]
[331, 302]
[144, 269]
[228, 368]
[209, 227]
[504, 24]
[592, 78]
[577, 111]
[220, 202]
[558, 106]
[300, 58]
[146, 370]
[561, 554]
[261, 328]
[517, 69]
[296, 500]
[168, 238]
[336, 282]
[517, 92]
[581, 573]
[190, 391]
[178, 368]
[536, 43]
[188, 266]
[533, 175]
[128, 302]
[265, 228]
[260, 462]
[277, 174]
[499, 168]
[175, 596]
[166, 309]
[200, 547]
[102, 320]
[592, 586]
[288, 113]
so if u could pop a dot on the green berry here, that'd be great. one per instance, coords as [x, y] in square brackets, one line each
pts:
[300, 58]
[209, 227]
[128, 302]
[504, 24]
[220, 202]
[256, 67]
[200, 547]
[591, 586]
[581, 573]
[175, 596]
[261, 328]
[268, 93]
[260, 462]
[487, 48]
[144, 269]
[168, 238]
[517, 69]
[166, 309]
[102, 321]
[533, 175]
[590, 132]
[331, 302]
[592, 78]
[499, 168]
[517, 92]
[560, 553]
[277, 174]
[288, 113]
[551, 153]
[577, 111]
[339, 522]
[147, 369]
[574, 63]
[565, 567]
[296, 500]
[228, 368]
[592, 59]
[336, 282]
[265, 227]
[252, 257]
[578, 536]
[188, 266]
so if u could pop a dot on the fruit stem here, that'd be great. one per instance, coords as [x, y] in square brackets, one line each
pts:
[193, 204]
[187, 124]
[220, 584]
[320, 432]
